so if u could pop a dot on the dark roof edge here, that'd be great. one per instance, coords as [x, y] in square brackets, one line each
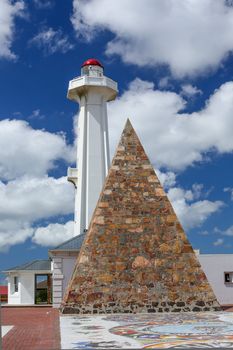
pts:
[23, 266]
[64, 250]
[69, 240]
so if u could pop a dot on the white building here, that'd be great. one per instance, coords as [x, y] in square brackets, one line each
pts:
[64, 257]
[30, 283]
[219, 271]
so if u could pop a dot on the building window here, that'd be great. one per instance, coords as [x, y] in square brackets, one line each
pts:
[228, 277]
[43, 289]
[16, 284]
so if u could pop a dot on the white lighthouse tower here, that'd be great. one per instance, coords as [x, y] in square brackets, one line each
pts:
[91, 90]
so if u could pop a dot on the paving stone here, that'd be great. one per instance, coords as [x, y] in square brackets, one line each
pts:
[35, 328]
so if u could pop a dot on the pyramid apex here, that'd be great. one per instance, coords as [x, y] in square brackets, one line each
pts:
[129, 132]
[128, 124]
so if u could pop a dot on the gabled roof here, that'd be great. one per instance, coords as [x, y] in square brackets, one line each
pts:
[36, 265]
[74, 243]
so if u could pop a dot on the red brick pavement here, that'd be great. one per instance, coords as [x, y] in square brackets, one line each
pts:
[34, 328]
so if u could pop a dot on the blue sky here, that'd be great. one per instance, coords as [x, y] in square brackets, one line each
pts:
[174, 67]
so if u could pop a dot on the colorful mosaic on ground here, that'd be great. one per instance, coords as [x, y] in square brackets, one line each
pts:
[136, 257]
[148, 331]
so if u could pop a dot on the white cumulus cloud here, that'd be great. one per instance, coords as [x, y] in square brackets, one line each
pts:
[27, 193]
[26, 200]
[226, 232]
[190, 36]
[189, 90]
[30, 199]
[167, 179]
[43, 4]
[218, 242]
[191, 209]
[13, 232]
[24, 150]
[9, 10]
[192, 213]
[174, 139]
[230, 190]
[51, 41]
[53, 234]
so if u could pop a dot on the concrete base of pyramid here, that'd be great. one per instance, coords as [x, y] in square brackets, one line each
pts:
[150, 307]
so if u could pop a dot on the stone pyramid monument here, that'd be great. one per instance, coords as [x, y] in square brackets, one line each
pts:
[136, 256]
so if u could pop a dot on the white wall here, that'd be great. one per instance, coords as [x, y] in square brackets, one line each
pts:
[62, 270]
[214, 266]
[13, 297]
[27, 288]
[57, 281]
[68, 268]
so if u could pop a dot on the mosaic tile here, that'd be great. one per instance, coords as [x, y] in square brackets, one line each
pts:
[145, 331]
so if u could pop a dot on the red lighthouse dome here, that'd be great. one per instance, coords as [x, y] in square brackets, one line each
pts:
[92, 62]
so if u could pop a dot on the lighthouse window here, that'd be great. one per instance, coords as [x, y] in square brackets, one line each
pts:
[85, 70]
[228, 277]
